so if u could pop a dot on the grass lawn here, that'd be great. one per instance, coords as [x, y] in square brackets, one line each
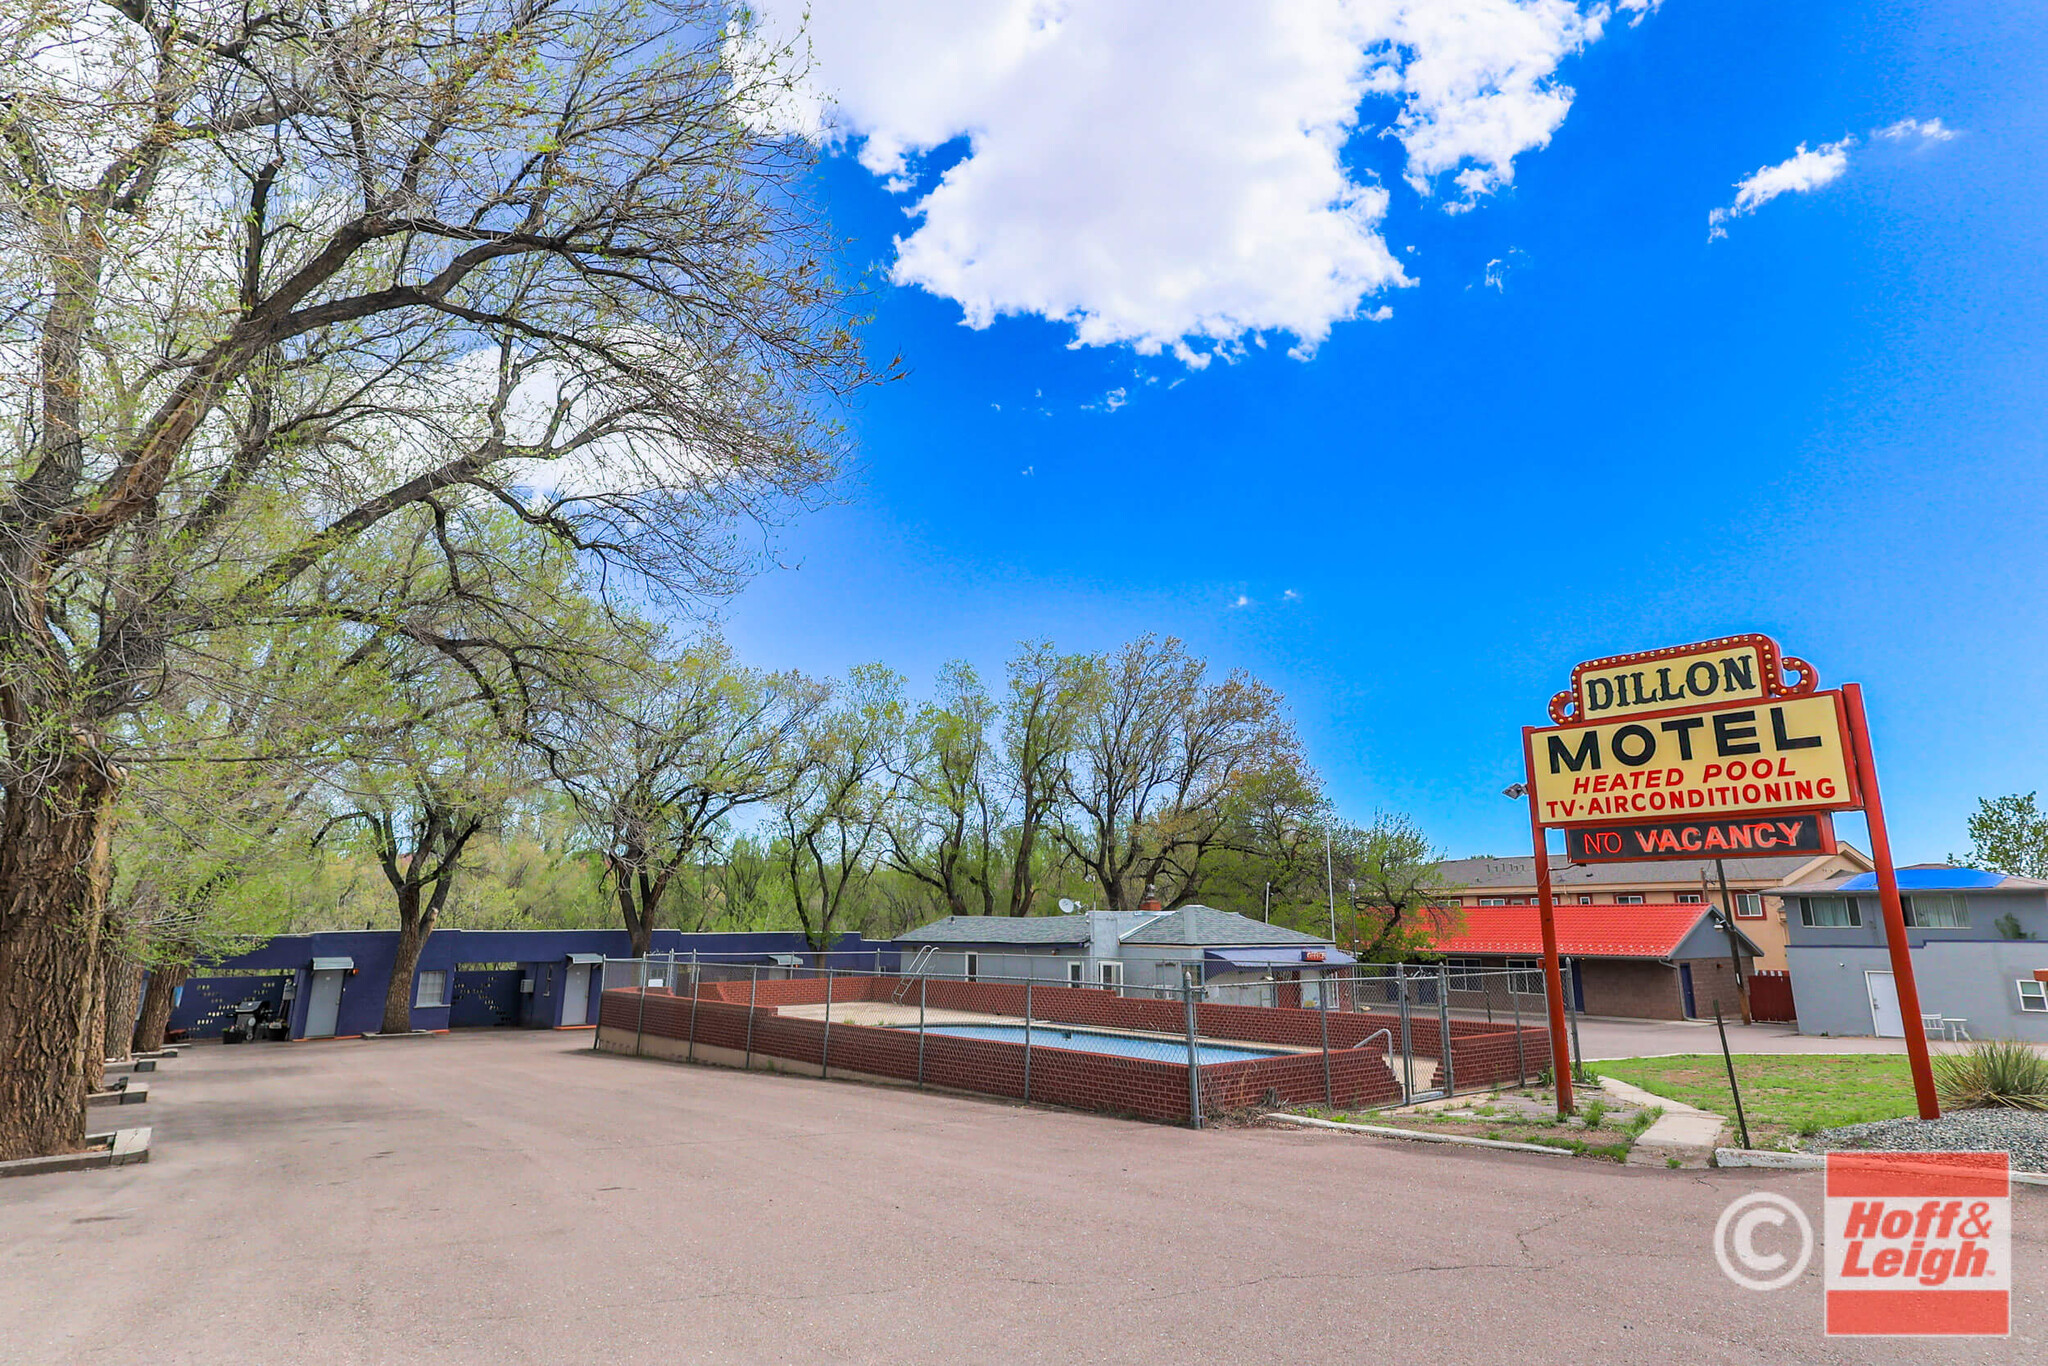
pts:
[1784, 1095]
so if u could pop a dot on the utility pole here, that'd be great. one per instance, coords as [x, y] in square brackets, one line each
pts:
[1330, 880]
[1269, 903]
[1734, 953]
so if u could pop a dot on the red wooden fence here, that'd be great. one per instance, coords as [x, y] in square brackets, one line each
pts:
[1770, 996]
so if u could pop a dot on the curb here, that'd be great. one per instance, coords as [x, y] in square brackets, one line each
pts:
[1805, 1162]
[135, 1093]
[1458, 1140]
[129, 1146]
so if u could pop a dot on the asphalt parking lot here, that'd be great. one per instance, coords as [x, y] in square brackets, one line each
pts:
[510, 1197]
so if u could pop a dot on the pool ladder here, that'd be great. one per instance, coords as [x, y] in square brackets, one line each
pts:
[918, 967]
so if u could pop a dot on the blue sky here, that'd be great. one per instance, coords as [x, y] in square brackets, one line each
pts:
[1826, 425]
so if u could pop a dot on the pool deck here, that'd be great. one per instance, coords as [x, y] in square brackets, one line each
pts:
[890, 1015]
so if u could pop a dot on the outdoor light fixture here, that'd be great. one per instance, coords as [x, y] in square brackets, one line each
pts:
[1514, 792]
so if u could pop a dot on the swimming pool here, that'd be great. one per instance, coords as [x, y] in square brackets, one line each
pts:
[1097, 1041]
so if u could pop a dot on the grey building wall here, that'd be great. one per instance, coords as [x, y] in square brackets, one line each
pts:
[1973, 981]
[1966, 973]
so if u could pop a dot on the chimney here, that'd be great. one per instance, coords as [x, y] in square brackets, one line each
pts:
[1151, 901]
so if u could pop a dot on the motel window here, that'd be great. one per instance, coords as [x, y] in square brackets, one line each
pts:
[2033, 994]
[1939, 912]
[1521, 901]
[1749, 906]
[1585, 898]
[1635, 900]
[973, 967]
[1525, 976]
[1073, 974]
[1493, 901]
[1112, 975]
[1463, 974]
[433, 989]
[1829, 911]
[1690, 899]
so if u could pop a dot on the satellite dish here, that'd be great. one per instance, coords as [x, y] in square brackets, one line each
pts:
[1069, 905]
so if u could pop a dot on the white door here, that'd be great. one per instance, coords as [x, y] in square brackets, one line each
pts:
[323, 1005]
[576, 995]
[1885, 1020]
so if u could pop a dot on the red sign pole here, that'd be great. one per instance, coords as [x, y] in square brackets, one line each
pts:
[1546, 914]
[1888, 898]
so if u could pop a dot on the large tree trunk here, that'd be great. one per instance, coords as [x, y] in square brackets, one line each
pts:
[398, 996]
[156, 1006]
[94, 1057]
[124, 993]
[1020, 877]
[54, 864]
[639, 925]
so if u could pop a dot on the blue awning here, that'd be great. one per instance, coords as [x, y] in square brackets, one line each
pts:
[1260, 959]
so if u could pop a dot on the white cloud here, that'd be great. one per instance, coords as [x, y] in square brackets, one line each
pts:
[1800, 173]
[1169, 173]
[1917, 130]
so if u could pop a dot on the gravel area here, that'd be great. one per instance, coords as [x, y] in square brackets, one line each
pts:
[2022, 1133]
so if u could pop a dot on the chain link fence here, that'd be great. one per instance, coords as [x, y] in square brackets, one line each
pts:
[1313, 1037]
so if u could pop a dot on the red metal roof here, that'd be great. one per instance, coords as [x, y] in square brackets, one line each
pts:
[1582, 931]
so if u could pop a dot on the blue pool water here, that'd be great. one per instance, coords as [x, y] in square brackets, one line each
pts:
[1095, 1041]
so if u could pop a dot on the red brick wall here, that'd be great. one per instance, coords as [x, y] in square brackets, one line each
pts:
[1059, 1076]
[1298, 1026]
[1639, 989]
[1714, 980]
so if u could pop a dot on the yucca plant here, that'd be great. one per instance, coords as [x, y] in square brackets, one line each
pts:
[1996, 1073]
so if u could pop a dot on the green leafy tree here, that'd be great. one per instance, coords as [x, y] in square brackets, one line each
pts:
[660, 768]
[944, 829]
[1399, 904]
[1040, 722]
[2008, 835]
[292, 275]
[1162, 758]
[828, 824]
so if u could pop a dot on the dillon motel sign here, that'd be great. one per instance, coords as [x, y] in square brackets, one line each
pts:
[1726, 747]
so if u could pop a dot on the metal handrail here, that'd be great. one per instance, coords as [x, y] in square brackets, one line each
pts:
[918, 966]
[1376, 1034]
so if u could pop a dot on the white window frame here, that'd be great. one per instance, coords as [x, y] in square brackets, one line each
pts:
[440, 982]
[1111, 974]
[1465, 974]
[1810, 906]
[1691, 899]
[1522, 972]
[2033, 995]
[1493, 901]
[971, 963]
[1585, 898]
[1074, 978]
[1749, 906]
[1629, 899]
[1952, 912]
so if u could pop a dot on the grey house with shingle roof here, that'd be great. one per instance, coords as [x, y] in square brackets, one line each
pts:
[1136, 949]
